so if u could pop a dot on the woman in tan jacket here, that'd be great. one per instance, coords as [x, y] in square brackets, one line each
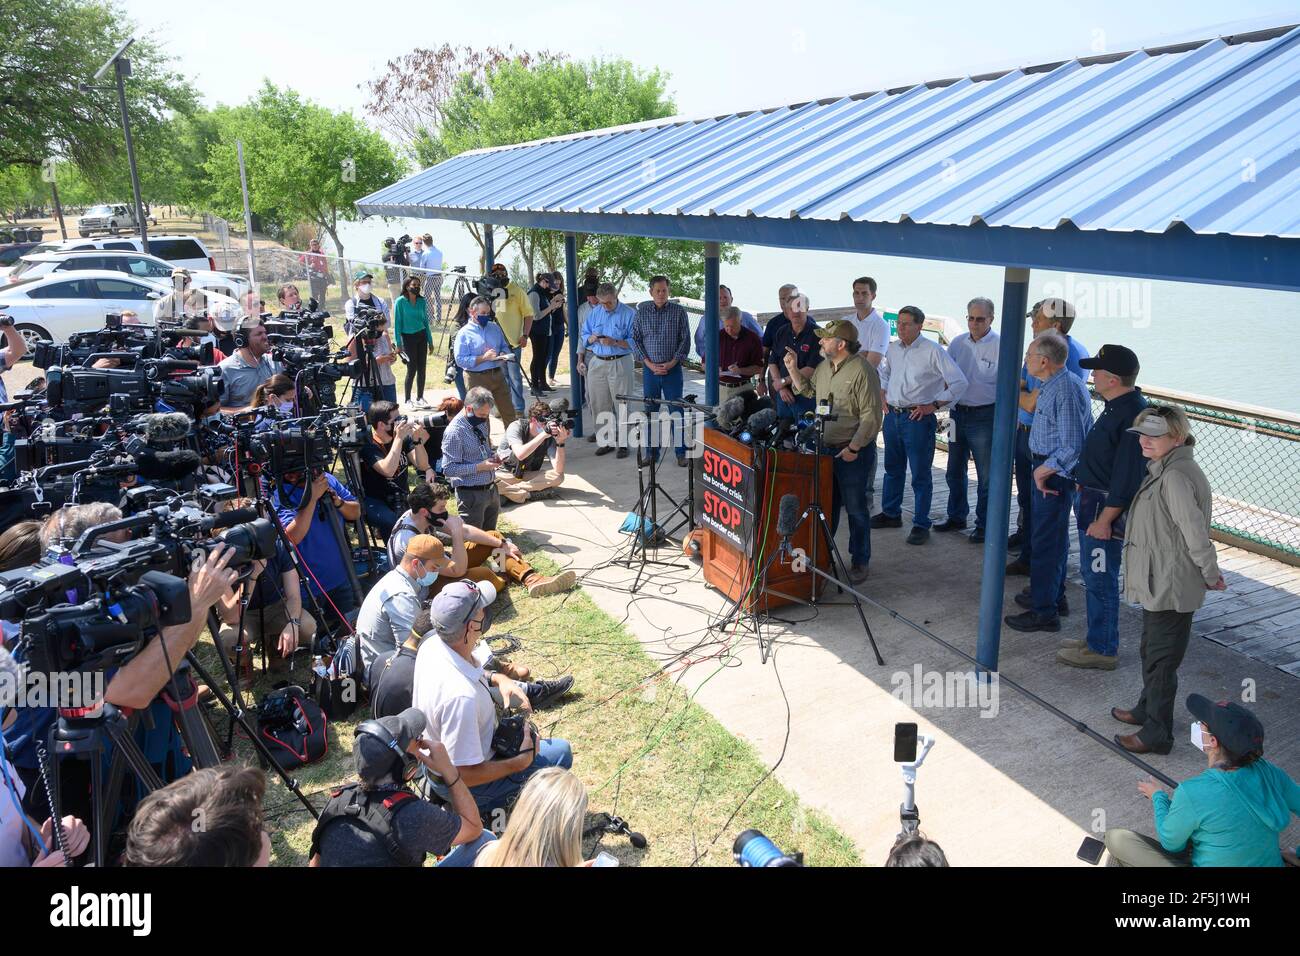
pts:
[1169, 564]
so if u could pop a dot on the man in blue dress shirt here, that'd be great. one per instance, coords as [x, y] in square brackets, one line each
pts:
[481, 350]
[607, 343]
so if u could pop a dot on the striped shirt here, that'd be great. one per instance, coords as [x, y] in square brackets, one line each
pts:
[1061, 422]
[464, 446]
[661, 335]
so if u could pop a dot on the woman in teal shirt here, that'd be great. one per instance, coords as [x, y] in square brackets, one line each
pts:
[1230, 815]
[411, 323]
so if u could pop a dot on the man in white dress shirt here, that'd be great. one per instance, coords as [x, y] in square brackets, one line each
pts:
[971, 432]
[873, 337]
[918, 378]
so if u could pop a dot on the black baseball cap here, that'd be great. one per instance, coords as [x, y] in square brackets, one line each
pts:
[1115, 359]
[1236, 728]
[373, 756]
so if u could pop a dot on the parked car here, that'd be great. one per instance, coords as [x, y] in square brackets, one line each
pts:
[10, 253]
[132, 263]
[111, 218]
[185, 251]
[56, 305]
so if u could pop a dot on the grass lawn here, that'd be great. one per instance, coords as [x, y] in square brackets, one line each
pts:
[645, 751]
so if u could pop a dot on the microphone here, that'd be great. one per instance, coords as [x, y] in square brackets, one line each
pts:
[731, 412]
[761, 422]
[228, 519]
[167, 465]
[163, 427]
[787, 519]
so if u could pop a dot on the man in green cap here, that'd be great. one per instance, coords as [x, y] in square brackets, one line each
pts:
[851, 386]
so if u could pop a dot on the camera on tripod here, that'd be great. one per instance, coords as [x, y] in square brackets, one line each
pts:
[397, 252]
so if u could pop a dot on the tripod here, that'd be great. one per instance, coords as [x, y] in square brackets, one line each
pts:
[647, 532]
[821, 526]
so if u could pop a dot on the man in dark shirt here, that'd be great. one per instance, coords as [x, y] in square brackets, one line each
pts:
[380, 750]
[774, 325]
[1109, 472]
[394, 444]
[800, 338]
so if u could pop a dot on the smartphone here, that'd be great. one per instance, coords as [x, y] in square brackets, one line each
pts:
[1090, 850]
[904, 743]
[605, 859]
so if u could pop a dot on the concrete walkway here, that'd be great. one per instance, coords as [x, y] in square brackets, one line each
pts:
[1007, 783]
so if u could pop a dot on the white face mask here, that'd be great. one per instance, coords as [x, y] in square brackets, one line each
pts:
[364, 288]
[1198, 738]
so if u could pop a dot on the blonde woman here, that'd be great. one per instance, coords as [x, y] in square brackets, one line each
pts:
[1169, 564]
[545, 828]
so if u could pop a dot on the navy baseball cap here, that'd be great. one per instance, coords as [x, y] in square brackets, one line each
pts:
[1115, 359]
[455, 604]
[1236, 728]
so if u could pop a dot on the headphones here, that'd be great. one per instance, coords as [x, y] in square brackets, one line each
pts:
[403, 763]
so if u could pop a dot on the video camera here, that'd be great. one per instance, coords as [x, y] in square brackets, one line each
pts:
[491, 287]
[397, 252]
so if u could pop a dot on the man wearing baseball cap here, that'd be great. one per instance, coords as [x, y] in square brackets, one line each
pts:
[454, 692]
[1231, 814]
[1108, 474]
[391, 607]
[851, 386]
[379, 821]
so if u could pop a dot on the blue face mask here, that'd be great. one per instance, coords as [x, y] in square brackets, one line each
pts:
[427, 579]
[483, 319]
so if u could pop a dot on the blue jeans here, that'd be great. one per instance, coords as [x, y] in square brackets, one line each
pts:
[8, 457]
[663, 386]
[851, 478]
[460, 382]
[550, 753]
[794, 411]
[1024, 471]
[467, 853]
[1099, 564]
[1051, 548]
[973, 437]
[558, 327]
[376, 393]
[380, 517]
[908, 445]
[515, 379]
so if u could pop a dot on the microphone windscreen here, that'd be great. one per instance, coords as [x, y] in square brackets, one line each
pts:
[167, 465]
[787, 516]
[731, 412]
[761, 422]
[165, 427]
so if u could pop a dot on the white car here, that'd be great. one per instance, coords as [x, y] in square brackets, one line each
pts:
[132, 263]
[54, 306]
[187, 252]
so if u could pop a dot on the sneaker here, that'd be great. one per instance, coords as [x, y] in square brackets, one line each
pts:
[1029, 621]
[1073, 643]
[883, 520]
[541, 494]
[1085, 657]
[918, 535]
[952, 524]
[622, 453]
[541, 586]
[550, 690]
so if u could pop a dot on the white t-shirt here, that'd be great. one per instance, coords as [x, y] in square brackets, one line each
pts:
[453, 695]
[873, 332]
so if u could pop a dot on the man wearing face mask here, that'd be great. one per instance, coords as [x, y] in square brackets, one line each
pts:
[470, 463]
[482, 352]
[391, 607]
[514, 313]
[380, 381]
[394, 444]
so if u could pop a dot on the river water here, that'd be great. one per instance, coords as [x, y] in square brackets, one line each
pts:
[1228, 343]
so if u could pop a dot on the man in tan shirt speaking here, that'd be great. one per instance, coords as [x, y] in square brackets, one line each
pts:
[852, 388]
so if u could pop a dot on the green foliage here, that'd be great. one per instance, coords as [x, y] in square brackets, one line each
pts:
[515, 102]
[50, 47]
[304, 162]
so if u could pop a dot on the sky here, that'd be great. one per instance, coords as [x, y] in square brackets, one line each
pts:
[722, 56]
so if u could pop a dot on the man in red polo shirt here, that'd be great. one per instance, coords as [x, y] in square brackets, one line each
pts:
[740, 355]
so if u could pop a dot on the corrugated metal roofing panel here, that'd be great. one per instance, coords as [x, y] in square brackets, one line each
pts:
[1206, 136]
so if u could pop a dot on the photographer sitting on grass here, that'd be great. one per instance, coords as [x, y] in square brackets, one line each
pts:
[379, 821]
[524, 450]
[469, 547]
[453, 691]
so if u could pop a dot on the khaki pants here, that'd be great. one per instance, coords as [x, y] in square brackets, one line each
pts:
[725, 392]
[478, 554]
[1128, 848]
[263, 626]
[605, 379]
[518, 489]
[494, 380]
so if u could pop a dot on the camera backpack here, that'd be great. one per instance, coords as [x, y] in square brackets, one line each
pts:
[292, 726]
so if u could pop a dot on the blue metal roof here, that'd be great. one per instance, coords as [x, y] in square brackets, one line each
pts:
[1201, 139]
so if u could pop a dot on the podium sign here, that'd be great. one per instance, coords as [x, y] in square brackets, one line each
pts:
[725, 497]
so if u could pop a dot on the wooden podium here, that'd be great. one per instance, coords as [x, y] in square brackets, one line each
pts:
[737, 492]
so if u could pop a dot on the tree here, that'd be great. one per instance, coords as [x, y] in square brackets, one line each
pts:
[515, 102]
[304, 162]
[21, 189]
[50, 47]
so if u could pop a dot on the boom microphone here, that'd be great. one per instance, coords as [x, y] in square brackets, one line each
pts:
[787, 516]
[228, 519]
[167, 465]
[164, 428]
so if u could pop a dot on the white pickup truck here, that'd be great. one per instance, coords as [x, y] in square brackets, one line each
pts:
[110, 218]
